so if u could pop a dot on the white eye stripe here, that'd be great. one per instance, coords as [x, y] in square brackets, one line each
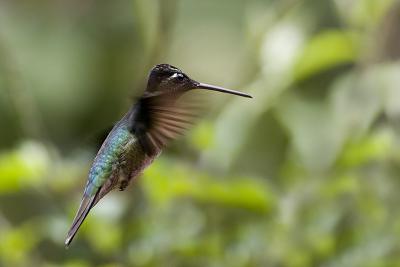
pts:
[175, 75]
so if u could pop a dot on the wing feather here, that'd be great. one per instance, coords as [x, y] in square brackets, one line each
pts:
[161, 119]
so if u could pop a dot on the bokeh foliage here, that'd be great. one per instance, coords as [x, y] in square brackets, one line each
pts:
[304, 174]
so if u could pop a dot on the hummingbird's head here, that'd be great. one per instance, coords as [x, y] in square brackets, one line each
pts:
[167, 79]
[164, 78]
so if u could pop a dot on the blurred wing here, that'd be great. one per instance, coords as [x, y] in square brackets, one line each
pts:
[160, 119]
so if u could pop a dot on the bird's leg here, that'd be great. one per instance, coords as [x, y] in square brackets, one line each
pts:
[123, 177]
[124, 182]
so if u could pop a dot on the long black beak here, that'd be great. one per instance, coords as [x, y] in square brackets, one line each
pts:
[221, 89]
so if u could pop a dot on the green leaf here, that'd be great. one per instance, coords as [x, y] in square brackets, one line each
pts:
[374, 147]
[325, 51]
[25, 166]
[16, 244]
[245, 193]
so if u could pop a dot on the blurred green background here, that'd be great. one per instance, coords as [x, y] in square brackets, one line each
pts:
[305, 174]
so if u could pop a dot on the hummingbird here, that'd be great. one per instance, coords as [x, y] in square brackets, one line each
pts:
[139, 137]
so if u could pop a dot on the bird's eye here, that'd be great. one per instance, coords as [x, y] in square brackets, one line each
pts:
[178, 76]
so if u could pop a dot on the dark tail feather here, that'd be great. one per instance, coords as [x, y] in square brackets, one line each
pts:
[86, 205]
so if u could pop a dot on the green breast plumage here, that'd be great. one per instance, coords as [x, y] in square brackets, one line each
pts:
[108, 157]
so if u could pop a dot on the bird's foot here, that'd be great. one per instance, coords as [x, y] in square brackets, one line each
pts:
[123, 185]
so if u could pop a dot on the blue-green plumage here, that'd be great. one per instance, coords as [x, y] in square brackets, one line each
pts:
[134, 142]
[107, 157]
[120, 159]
